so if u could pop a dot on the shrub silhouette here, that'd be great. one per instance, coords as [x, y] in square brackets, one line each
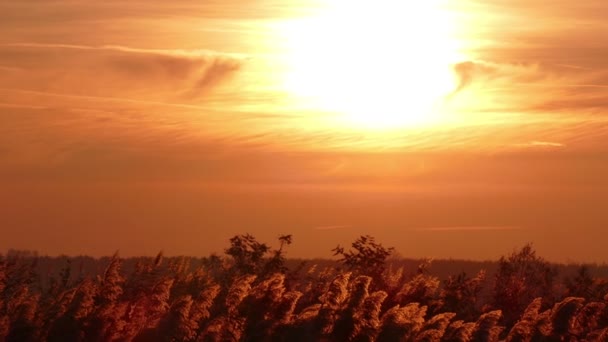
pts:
[250, 256]
[366, 257]
[521, 277]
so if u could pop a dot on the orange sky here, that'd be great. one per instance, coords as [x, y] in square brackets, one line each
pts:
[456, 129]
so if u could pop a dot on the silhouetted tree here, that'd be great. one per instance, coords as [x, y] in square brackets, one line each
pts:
[250, 256]
[521, 277]
[583, 284]
[276, 263]
[461, 294]
[366, 257]
[247, 253]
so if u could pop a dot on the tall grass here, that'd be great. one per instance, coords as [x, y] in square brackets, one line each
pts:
[179, 301]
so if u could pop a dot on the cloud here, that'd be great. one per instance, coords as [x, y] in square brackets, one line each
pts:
[469, 71]
[334, 227]
[485, 73]
[8, 69]
[540, 144]
[214, 74]
[119, 71]
[575, 98]
[467, 228]
[16, 105]
[532, 89]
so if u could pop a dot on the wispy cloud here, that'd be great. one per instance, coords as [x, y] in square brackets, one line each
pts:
[536, 143]
[116, 71]
[168, 52]
[332, 227]
[467, 228]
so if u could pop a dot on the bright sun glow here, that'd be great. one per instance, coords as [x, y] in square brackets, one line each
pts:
[377, 64]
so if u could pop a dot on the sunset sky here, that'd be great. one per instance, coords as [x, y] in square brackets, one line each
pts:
[460, 129]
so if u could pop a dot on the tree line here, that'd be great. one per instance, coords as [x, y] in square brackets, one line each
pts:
[249, 294]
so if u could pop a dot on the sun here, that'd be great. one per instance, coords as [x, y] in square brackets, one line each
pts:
[376, 64]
